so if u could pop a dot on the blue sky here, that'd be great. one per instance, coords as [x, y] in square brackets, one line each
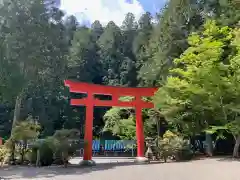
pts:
[107, 10]
[152, 5]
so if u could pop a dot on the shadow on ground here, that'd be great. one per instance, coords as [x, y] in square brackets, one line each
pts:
[18, 172]
[53, 171]
[229, 158]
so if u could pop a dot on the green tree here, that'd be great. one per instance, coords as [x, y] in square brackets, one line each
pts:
[71, 25]
[111, 53]
[34, 51]
[176, 22]
[141, 41]
[83, 59]
[230, 102]
[122, 122]
[25, 132]
[96, 30]
[226, 12]
[203, 85]
[169, 38]
[129, 69]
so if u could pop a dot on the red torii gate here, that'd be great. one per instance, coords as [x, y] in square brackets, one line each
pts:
[116, 93]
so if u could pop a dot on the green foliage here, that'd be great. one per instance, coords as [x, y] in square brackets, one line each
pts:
[177, 20]
[124, 128]
[39, 49]
[226, 12]
[122, 122]
[169, 38]
[83, 56]
[54, 149]
[193, 94]
[203, 89]
[141, 41]
[110, 44]
[115, 123]
[62, 144]
[172, 145]
[25, 130]
[4, 154]
[45, 150]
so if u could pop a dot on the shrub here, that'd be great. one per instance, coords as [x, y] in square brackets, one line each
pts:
[172, 145]
[184, 154]
[22, 133]
[64, 146]
[55, 149]
[45, 153]
[4, 154]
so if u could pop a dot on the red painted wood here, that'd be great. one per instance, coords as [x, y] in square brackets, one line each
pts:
[88, 134]
[106, 103]
[79, 87]
[115, 92]
[139, 128]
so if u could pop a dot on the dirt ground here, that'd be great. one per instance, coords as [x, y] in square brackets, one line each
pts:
[208, 169]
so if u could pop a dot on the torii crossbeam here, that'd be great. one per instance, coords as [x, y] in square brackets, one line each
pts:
[116, 92]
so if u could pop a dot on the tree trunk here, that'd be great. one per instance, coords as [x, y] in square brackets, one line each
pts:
[24, 148]
[22, 156]
[38, 158]
[17, 109]
[16, 117]
[64, 159]
[209, 145]
[165, 158]
[236, 147]
[193, 144]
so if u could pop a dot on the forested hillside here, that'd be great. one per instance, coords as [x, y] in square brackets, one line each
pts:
[40, 47]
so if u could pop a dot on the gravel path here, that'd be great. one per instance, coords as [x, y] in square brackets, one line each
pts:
[208, 169]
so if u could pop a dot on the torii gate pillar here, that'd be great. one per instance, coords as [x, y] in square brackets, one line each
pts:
[116, 92]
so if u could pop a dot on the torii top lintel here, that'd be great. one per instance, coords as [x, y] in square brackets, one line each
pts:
[115, 92]
[81, 87]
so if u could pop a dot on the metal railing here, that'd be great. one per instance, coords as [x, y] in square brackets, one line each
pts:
[111, 146]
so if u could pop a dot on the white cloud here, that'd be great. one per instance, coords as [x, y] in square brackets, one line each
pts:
[103, 10]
